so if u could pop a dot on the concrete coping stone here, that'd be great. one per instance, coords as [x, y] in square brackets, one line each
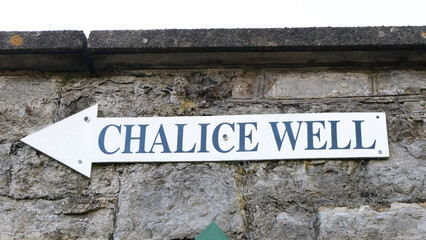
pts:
[180, 48]
[273, 39]
[42, 42]
[46, 51]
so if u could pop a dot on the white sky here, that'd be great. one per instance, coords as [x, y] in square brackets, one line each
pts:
[87, 15]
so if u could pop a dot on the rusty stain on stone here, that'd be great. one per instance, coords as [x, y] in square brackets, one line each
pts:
[423, 35]
[16, 40]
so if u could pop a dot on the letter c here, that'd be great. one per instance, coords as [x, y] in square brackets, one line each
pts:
[216, 137]
[101, 140]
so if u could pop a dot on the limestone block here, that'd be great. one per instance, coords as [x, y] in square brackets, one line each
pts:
[281, 223]
[177, 201]
[400, 221]
[417, 149]
[35, 175]
[69, 218]
[405, 120]
[282, 196]
[226, 108]
[210, 86]
[401, 82]
[154, 96]
[180, 93]
[295, 85]
[244, 85]
[5, 168]
[115, 96]
[104, 180]
[399, 178]
[56, 51]
[27, 104]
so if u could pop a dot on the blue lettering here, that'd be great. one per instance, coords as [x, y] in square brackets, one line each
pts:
[359, 136]
[101, 140]
[249, 136]
[216, 137]
[334, 136]
[163, 142]
[279, 140]
[203, 144]
[141, 138]
[179, 148]
[311, 135]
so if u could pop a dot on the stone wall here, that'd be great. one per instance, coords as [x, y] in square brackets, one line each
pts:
[297, 199]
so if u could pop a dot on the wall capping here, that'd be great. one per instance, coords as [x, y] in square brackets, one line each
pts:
[58, 51]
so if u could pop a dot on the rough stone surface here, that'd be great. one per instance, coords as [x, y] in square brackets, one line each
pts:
[44, 51]
[42, 42]
[313, 199]
[401, 82]
[152, 196]
[69, 218]
[401, 178]
[400, 221]
[5, 168]
[245, 85]
[417, 149]
[78, 94]
[27, 104]
[261, 39]
[58, 51]
[316, 85]
[281, 197]
[34, 175]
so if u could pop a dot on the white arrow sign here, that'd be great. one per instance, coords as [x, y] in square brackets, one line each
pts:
[82, 139]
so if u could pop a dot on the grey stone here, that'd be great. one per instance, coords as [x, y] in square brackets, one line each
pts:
[244, 85]
[316, 85]
[401, 82]
[35, 175]
[180, 93]
[278, 223]
[158, 91]
[417, 149]
[177, 201]
[104, 180]
[209, 48]
[249, 200]
[69, 218]
[5, 168]
[217, 40]
[116, 50]
[400, 221]
[406, 119]
[227, 108]
[281, 197]
[42, 42]
[401, 178]
[210, 86]
[79, 93]
[43, 51]
[27, 104]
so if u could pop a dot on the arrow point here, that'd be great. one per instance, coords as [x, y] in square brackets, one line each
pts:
[66, 140]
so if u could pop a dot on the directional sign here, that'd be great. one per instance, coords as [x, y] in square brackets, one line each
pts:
[82, 139]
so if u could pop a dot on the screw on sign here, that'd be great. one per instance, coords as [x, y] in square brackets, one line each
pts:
[83, 138]
[212, 232]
